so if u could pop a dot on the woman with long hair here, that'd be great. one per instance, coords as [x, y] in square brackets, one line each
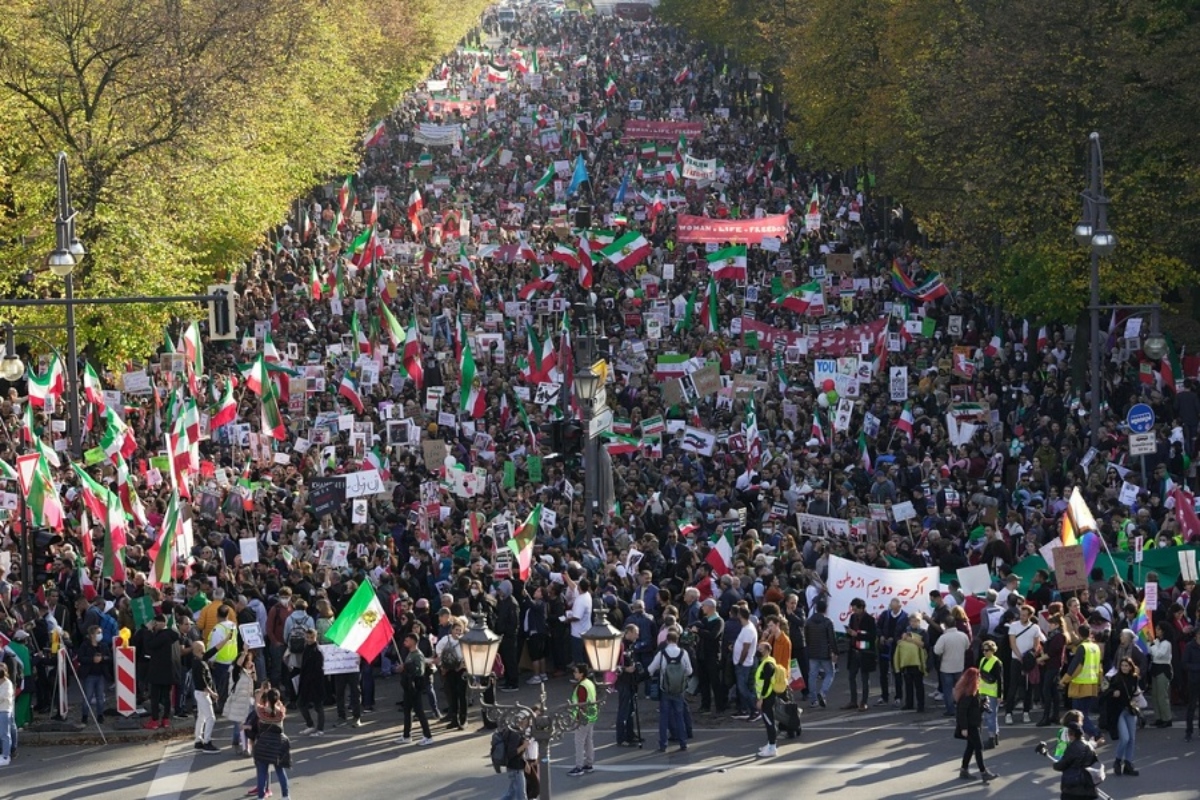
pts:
[271, 746]
[968, 719]
[1120, 698]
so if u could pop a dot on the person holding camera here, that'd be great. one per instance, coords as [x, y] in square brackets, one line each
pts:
[630, 674]
[1073, 764]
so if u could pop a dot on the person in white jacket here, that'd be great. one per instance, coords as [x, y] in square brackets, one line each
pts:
[1160, 680]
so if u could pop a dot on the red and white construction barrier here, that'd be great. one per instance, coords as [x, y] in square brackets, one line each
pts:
[126, 680]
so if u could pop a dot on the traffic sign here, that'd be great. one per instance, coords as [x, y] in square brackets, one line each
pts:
[1142, 444]
[1140, 418]
[600, 423]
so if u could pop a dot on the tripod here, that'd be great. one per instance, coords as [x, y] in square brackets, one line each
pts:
[60, 690]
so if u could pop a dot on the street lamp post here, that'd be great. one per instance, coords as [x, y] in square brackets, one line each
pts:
[67, 250]
[1092, 232]
[601, 643]
[586, 383]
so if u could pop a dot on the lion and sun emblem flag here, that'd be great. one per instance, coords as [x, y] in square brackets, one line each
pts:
[362, 626]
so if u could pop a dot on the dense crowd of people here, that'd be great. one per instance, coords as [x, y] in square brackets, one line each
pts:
[771, 410]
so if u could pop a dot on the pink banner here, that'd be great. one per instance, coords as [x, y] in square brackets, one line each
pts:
[836, 343]
[740, 231]
[666, 130]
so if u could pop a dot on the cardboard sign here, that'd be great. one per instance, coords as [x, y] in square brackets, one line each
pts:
[326, 495]
[339, 661]
[251, 636]
[1070, 569]
[434, 451]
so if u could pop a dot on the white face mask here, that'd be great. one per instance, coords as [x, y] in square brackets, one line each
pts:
[96, 637]
[474, 593]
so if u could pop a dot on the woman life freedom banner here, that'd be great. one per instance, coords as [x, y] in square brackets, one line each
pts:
[877, 588]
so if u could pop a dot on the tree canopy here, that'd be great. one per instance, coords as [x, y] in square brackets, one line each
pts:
[189, 126]
[977, 116]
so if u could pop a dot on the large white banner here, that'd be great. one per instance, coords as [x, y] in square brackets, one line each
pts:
[433, 135]
[699, 169]
[876, 587]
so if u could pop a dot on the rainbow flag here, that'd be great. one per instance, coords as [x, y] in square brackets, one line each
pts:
[1143, 627]
[931, 289]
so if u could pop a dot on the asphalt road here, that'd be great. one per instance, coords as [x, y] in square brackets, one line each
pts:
[878, 755]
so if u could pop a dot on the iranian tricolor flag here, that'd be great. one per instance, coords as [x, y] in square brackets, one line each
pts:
[864, 454]
[314, 282]
[348, 389]
[806, 299]
[521, 542]
[628, 251]
[587, 272]
[728, 263]
[394, 328]
[753, 439]
[93, 390]
[255, 375]
[116, 436]
[466, 371]
[720, 554]
[51, 384]
[415, 206]
[226, 408]
[620, 445]
[565, 254]
[545, 180]
[375, 135]
[193, 351]
[994, 345]
[412, 354]
[905, 423]
[610, 87]
[362, 627]
[682, 75]
[271, 419]
[161, 553]
[41, 498]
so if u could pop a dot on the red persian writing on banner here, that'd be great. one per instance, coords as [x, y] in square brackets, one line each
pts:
[837, 342]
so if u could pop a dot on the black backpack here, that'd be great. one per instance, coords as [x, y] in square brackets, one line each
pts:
[295, 642]
[503, 748]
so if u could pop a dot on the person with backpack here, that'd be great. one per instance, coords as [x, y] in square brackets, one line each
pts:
[508, 753]
[294, 627]
[672, 667]
[765, 693]
[414, 677]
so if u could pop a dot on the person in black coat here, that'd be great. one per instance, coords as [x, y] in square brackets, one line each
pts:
[311, 692]
[1073, 765]
[162, 670]
[968, 718]
[863, 656]
[508, 625]
[710, 631]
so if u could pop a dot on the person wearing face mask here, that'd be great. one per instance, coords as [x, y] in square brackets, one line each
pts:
[95, 665]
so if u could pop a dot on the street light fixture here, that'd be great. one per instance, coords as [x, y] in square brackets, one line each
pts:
[602, 644]
[1155, 346]
[586, 383]
[479, 647]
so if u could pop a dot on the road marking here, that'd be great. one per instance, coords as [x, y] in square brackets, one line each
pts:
[170, 778]
[729, 765]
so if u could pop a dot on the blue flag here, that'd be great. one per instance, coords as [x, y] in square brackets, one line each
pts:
[579, 177]
[620, 197]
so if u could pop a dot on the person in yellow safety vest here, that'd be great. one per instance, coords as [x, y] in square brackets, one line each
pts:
[764, 692]
[583, 696]
[223, 650]
[991, 671]
[1082, 679]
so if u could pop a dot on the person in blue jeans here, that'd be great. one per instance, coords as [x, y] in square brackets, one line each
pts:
[672, 668]
[8, 725]
[95, 665]
[822, 652]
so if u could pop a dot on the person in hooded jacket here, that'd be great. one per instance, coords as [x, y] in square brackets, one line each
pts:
[162, 670]
[508, 624]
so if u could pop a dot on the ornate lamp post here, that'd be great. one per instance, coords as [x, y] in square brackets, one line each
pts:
[602, 643]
